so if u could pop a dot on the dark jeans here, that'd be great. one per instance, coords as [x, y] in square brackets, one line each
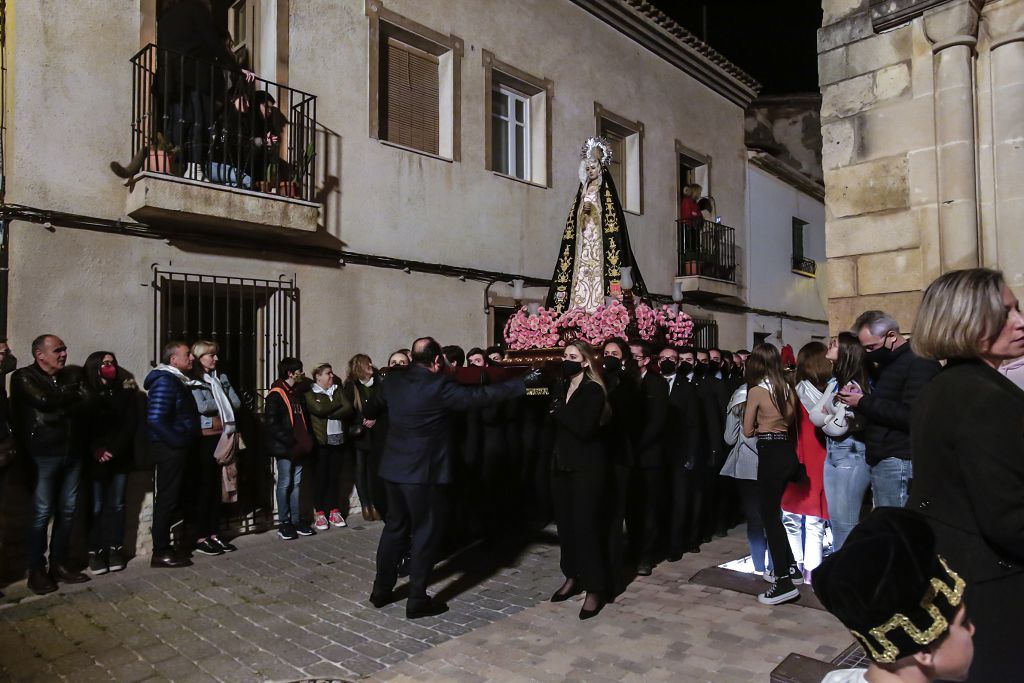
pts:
[755, 527]
[776, 462]
[364, 474]
[170, 472]
[579, 500]
[289, 482]
[106, 524]
[204, 477]
[55, 494]
[328, 466]
[414, 526]
[189, 126]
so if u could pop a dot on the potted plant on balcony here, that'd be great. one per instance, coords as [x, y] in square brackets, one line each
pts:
[161, 155]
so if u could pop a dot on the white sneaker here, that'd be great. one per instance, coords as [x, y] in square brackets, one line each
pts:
[336, 519]
[781, 591]
[768, 576]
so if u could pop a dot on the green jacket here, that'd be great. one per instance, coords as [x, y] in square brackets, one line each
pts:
[322, 407]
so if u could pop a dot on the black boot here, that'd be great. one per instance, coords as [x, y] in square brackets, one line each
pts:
[39, 581]
[133, 167]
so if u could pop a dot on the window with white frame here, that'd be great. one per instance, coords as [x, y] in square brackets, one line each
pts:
[517, 122]
[510, 132]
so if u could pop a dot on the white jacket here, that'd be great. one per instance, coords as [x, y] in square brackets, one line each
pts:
[830, 414]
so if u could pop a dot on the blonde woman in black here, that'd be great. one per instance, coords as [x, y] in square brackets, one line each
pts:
[579, 479]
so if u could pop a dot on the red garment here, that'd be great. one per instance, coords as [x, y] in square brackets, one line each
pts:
[808, 497]
[688, 210]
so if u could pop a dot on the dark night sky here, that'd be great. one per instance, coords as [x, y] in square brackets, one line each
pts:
[772, 40]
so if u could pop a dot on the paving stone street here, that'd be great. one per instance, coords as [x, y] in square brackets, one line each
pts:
[283, 611]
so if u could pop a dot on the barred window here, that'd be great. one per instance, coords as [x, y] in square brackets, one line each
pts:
[705, 333]
[253, 321]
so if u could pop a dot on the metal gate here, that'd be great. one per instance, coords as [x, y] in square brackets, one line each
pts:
[253, 321]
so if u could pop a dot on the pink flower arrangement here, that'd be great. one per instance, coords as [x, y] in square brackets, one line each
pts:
[524, 331]
[678, 327]
[547, 330]
[646, 321]
[597, 327]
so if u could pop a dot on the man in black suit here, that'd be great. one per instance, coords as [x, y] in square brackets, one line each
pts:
[683, 451]
[721, 502]
[416, 465]
[648, 460]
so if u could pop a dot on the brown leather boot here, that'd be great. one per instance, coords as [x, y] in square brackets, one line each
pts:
[367, 514]
[39, 581]
[376, 514]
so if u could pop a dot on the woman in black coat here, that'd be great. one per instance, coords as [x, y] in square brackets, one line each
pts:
[967, 439]
[579, 479]
[111, 449]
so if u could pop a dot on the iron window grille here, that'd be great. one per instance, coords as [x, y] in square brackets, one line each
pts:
[253, 321]
[707, 249]
[705, 333]
[804, 266]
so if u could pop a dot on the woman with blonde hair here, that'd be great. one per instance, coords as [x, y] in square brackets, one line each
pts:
[361, 383]
[579, 479]
[213, 475]
[967, 441]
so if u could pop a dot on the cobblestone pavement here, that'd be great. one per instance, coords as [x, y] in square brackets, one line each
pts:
[662, 628]
[280, 610]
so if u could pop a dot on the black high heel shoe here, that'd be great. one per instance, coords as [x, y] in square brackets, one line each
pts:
[559, 596]
[588, 613]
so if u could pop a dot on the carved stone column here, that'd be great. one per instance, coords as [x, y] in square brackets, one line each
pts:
[953, 32]
[1007, 56]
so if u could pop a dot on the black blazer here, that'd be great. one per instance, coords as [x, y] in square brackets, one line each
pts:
[650, 444]
[622, 432]
[418, 449]
[579, 442]
[714, 399]
[683, 434]
[967, 435]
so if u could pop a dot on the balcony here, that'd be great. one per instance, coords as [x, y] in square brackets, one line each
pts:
[218, 152]
[707, 260]
[804, 266]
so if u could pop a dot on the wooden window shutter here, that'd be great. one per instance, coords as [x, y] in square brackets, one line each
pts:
[411, 117]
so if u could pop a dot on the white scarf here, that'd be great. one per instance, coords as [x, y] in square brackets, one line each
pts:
[187, 381]
[227, 413]
[333, 426]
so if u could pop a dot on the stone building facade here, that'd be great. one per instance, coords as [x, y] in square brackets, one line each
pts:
[922, 120]
[391, 241]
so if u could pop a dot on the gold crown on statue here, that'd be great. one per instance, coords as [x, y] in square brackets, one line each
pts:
[597, 148]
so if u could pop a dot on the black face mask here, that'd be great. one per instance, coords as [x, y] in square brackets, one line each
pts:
[667, 367]
[714, 366]
[685, 368]
[699, 369]
[571, 368]
[882, 355]
[612, 364]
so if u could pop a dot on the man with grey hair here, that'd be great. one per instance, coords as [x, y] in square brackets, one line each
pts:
[900, 376]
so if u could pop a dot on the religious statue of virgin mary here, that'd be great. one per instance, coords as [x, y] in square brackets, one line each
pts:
[595, 245]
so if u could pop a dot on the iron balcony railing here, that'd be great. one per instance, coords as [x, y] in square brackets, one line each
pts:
[707, 249]
[207, 122]
[804, 266]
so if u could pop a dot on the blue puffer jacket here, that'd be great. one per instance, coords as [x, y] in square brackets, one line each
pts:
[171, 417]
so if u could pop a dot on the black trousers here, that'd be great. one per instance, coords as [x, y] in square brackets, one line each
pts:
[414, 525]
[325, 481]
[776, 463]
[204, 488]
[170, 472]
[581, 513]
[645, 483]
[686, 494]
